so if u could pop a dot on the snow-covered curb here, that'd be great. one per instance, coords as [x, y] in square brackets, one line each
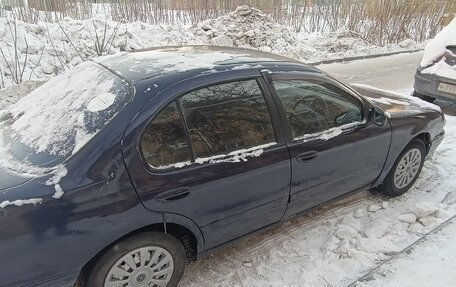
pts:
[362, 57]
[420, 262]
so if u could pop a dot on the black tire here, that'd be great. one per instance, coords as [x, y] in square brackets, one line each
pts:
[97, 276]
[424, 97]
[388, 187]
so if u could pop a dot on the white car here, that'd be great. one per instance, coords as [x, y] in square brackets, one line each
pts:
[436, 74]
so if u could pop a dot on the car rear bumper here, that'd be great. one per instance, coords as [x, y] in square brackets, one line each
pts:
[427, 84]
[436, 141]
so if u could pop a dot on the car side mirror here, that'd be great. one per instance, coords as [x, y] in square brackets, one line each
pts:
[377, 116]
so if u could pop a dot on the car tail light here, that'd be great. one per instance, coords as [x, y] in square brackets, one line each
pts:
[450, 55]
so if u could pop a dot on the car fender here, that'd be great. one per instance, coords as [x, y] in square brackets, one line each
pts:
[404, 130]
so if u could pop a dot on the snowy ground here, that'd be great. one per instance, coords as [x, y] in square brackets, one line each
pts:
[420, 263]
[338, 244]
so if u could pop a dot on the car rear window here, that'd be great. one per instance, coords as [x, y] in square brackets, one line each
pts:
[164, 143]
[57, 119]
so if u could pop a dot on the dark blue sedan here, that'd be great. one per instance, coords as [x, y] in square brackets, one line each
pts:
[119, 171]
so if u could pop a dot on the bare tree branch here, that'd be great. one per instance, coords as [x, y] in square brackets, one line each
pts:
[71, 42]
[55, 50]
[37, 64]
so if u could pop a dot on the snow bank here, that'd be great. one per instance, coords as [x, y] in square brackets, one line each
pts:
[245, 27]
[250, 28]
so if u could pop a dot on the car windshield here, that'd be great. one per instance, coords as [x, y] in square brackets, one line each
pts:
[57, 119]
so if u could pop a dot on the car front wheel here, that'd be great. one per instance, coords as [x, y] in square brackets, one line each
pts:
[405, 170]
[147, 259]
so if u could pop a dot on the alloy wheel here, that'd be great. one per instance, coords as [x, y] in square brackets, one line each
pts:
[143, 267]
[407, 169]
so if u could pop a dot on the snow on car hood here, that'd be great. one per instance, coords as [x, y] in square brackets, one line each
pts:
[393, 103]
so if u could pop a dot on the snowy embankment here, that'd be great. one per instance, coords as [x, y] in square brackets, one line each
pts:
[53, 47]
[338, 244]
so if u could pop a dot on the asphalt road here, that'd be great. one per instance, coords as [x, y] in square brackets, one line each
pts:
[391, 73]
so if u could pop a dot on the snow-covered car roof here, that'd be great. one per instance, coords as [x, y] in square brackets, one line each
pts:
[143, 64]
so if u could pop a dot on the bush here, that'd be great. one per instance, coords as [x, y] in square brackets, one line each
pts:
[377, 21]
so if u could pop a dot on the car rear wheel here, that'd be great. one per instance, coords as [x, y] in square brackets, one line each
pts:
[405, 170]
[147, 259]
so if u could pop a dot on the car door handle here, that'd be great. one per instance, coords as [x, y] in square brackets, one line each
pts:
[307, 156]
[174, 195]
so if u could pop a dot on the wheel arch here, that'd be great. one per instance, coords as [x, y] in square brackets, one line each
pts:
[180, 227]
[423, 136]
[426, 138]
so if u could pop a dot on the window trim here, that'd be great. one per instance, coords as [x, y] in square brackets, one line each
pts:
[309, 76]
[155, 114]
[271, 107]
[185, 126]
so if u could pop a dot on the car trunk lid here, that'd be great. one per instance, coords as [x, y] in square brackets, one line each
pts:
[11, 179]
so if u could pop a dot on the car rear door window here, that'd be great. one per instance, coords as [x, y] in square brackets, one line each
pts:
[312, 107]
[218, 120]
[226, 118]
[164, 142]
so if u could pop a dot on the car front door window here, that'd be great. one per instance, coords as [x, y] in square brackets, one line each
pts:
[312, 107]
